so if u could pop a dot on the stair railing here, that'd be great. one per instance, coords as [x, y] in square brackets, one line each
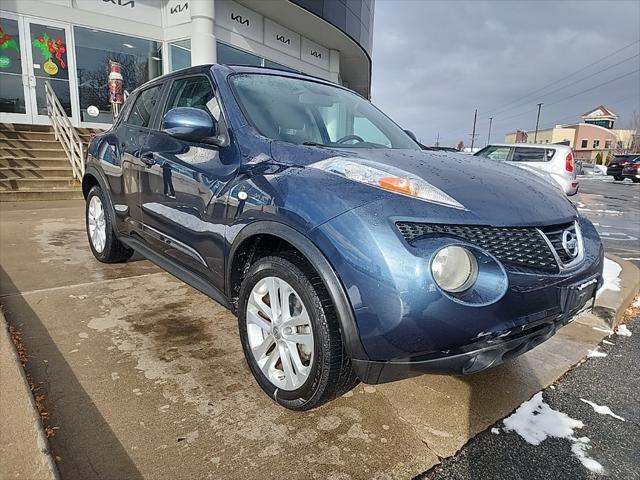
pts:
[65, 132]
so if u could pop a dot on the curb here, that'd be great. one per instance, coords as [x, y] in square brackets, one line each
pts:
[30, 426]
[611, 305]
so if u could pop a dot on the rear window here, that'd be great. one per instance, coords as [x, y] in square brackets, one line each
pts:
[532, 154]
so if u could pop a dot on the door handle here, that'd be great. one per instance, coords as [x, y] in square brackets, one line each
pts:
[147, 159]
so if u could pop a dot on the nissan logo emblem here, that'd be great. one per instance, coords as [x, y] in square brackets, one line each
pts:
[570, 243]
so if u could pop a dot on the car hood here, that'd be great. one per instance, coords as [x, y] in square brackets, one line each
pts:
[491, 192]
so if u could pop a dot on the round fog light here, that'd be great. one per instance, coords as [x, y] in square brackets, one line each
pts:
[454, 268]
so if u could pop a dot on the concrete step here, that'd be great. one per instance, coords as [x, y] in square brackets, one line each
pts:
[18, 135]
[40, 194]
[32, 152]
[23, 127]
[30, 143]
[13, 173]
[51, 183]
[28, 162]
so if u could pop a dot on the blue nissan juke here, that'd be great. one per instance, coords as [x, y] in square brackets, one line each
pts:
[347, 253]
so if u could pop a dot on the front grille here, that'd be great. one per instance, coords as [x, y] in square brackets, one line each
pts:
[524, 247]
[554, 234]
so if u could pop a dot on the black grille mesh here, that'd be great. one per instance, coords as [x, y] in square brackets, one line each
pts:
[518, 246]
[554, 234]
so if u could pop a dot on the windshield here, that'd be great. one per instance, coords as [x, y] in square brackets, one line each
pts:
[310, 113]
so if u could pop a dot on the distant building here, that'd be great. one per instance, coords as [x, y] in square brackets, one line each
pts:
[595, 134]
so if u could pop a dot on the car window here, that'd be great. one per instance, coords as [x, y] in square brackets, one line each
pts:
[529, 155]
[140, 113]
[195, 92]
[495, 152]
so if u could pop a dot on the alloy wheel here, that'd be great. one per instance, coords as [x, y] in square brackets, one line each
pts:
[279, 332]
[97, 225]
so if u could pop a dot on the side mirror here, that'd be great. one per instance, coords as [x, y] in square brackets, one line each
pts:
[412, 135]
[191, 124]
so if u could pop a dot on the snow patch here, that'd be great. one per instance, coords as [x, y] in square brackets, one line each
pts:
[623, 331]
[637, 302]
[495, 431]
[605, 330]
[535, 421]
[610, 277]
[607, 342]
[596, 353]
[601, 409]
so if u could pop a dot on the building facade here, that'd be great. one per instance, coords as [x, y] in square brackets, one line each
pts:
[71, 43]
[593, 136]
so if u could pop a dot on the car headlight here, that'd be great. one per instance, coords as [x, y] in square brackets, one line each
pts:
[387, 178]
[454, 268]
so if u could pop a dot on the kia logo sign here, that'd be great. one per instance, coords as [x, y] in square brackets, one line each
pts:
[179, 8]
[239, 19]
[316, 54]
[283, 39]
[121, 3]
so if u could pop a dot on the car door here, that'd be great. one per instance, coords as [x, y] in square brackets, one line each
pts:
[182, 186]
[119, 155]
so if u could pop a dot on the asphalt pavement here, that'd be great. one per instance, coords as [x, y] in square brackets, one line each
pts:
[610, 381]
[614, 209]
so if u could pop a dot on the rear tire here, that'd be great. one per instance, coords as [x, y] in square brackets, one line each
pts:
[618, 178]
[322, 372]
[103, 241]
[636, 180]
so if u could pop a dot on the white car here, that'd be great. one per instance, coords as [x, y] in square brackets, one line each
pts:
[557, 161]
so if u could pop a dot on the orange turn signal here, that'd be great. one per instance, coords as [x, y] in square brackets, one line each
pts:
[396, 184]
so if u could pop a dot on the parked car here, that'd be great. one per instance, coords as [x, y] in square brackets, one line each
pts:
[592, 169]
[631, 169]
[346, 252]
[555, 160]
[618, 162]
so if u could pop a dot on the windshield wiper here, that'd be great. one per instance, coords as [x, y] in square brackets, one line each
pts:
[314, 144]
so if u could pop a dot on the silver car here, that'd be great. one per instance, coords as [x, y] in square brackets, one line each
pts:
[555, 161]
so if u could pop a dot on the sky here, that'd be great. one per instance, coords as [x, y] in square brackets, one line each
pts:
[434, 62]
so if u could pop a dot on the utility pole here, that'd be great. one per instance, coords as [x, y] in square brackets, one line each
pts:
[489, 135]
[535, 137]
[438, 140]
[473, 134]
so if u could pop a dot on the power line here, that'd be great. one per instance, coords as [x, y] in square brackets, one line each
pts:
[500, 109]
[608, 68]
[572, 96]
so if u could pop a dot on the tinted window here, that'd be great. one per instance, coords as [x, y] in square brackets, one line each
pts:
[142, 109]
[195, 92]
[494, 152]
[529, 155]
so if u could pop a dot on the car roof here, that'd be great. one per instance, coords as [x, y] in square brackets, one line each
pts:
[529, 145]
[231, 69]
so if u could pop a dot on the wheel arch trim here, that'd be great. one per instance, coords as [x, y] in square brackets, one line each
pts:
[335, 288]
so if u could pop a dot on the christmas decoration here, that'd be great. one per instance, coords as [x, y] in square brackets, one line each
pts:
[50, 48]
[7, 41]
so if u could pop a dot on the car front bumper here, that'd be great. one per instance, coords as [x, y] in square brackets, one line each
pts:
[407, 325]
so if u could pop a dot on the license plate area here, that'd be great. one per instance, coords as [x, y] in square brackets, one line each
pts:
[578, 298]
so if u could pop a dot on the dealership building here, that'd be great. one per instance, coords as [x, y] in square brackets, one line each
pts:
[71, 43]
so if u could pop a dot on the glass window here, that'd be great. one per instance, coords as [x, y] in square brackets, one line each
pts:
[584, 143]
[228, 55]
[495, 152]
[141, 61]
[596, 143]
[179, 55]
[529, 155]
[301, 111]
[193, 92]
[11, 88]
[142, 110]
[607, 144]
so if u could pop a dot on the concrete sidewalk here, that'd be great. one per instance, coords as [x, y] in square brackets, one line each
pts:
[145, 377]
[24, 449]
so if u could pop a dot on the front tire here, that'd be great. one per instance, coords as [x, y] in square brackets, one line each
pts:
[103, 241]
[290, 334]
[618, 178]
